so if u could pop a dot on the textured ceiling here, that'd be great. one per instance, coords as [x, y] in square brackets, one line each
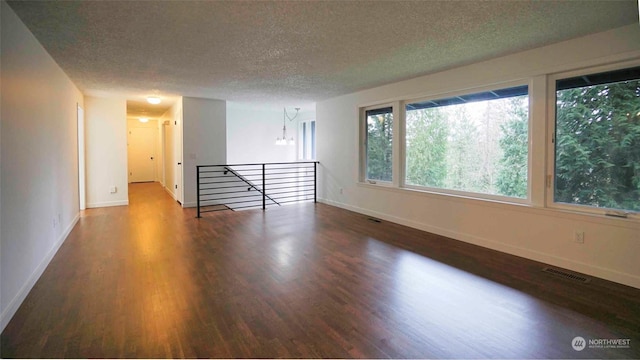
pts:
[292, 53]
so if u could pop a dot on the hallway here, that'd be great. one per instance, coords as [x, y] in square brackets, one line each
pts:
[150, 280]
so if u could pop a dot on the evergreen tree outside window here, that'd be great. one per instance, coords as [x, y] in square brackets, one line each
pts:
[474, 143]
[597, 140]
[379, 144]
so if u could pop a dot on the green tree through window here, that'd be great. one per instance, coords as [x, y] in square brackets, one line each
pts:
[473, 143]
[597, 156]
[379, 144]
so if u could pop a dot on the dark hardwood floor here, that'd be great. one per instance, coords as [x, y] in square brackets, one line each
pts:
[302, 281]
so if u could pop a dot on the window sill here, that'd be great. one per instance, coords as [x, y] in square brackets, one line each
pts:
[511, 206]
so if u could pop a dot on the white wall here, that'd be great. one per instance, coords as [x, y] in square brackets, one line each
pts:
[252, 133]
[204, 139]
[106, 147]
[611, 246]
[39, 176]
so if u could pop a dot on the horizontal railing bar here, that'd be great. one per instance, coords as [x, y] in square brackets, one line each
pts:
[305, 173]
[260, 164]
[230, 192]
[217, 177]
[288, 182]
[248, 175]
[229, 197]
[223, 182]
[298, 178]
[301, 192]
[299, 173]
[256, 177]
[292, 169]
[244, 202]
[211, 171]
[292, 189]
[289, 168]
[244, 186]
[293, 201]
[290, 196]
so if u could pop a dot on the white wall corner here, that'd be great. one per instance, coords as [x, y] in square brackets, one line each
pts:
[17, 300]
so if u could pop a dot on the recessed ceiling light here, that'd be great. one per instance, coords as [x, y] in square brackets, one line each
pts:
[143, 120]
[153, 100]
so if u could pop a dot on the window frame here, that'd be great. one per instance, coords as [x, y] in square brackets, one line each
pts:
[363, 144]
[468, 194]
[551, 150]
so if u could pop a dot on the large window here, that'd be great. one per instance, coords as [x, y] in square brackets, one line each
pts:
[378, 144]
[597, 140]
[474, 143]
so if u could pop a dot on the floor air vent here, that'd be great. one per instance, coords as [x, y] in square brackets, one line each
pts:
[374, 220]
[567, 275]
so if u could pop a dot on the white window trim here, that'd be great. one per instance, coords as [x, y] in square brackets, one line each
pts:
[363, 146]
[551, 129]
[474, 195]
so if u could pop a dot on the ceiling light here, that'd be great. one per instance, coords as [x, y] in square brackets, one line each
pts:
[144, 120]
[153, 100]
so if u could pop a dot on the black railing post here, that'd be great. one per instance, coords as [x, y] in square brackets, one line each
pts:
[198, 188]
[264, 189]
[315, 182]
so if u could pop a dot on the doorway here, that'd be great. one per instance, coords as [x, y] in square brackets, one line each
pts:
[142, 142]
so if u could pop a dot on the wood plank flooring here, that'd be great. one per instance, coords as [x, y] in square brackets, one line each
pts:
[302, 281]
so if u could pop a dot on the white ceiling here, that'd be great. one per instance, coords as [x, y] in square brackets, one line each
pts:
[292, 53]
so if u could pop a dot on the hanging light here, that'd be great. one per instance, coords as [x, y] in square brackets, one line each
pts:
[283, 140]
[143, 119]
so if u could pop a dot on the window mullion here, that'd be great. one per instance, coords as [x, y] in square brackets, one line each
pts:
[537, 139]
[398, 141]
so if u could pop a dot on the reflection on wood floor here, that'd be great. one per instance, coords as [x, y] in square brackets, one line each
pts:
[310, 280]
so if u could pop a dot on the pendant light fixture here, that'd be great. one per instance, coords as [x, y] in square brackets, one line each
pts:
[283, 140]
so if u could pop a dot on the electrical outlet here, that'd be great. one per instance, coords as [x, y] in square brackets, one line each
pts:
[579, 237]
[54, 223]
[341, 191]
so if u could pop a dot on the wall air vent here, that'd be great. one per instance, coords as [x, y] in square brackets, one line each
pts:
[567, 275]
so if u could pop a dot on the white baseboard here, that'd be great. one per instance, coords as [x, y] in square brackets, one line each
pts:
[597, 271]
[108, 203]
[190, 204]
[17, 300]
[170, 193]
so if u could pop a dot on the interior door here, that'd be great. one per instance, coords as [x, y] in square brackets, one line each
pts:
[142, 166]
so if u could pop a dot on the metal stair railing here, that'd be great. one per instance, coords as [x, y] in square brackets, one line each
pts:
[251, 186]
[224, 186]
